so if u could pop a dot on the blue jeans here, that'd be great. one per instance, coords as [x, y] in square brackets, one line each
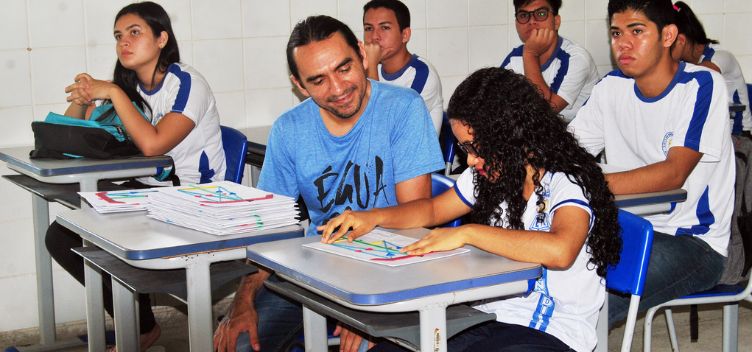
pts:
[679, 266]
[280, 322]
[497, 337]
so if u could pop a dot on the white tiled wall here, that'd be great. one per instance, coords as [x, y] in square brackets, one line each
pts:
[238, 45]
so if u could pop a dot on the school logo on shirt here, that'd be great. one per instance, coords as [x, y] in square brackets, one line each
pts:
[541, 222]
[666, 144]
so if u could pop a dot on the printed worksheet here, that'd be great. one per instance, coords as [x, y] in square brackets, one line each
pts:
[380, 247]
[117, 201]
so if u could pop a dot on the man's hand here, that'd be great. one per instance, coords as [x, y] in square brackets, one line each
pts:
[349, 340]
[540, 41]
[373, 53]
[240, 318]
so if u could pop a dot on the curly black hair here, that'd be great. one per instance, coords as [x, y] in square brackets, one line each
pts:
[513, 125]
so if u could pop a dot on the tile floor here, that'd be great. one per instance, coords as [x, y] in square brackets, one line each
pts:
[174, 331]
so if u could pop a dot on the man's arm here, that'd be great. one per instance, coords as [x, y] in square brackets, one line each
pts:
[534, 48]
[666, 175]
[242, 316]
[373, 55]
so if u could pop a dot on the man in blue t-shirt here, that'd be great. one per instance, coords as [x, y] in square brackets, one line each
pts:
[354, 144]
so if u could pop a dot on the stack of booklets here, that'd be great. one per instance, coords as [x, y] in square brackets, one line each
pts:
[221, 208]
[117, 201]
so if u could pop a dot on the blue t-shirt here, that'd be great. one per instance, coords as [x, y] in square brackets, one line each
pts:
[393, 141]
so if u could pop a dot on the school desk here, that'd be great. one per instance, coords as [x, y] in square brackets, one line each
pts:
[427, 287]
[84, 172]
[146, 243]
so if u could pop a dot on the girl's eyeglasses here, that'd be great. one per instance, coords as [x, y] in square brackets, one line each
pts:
[539, 15]
[468, 148]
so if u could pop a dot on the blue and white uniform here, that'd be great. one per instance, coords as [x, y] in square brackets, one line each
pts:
[570, 73]
[392, 141]
[735, 84]
[421, 76]
[199, 157]
[553, 306]
[636, 131]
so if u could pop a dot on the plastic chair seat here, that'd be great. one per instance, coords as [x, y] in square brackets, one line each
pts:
[720, 290]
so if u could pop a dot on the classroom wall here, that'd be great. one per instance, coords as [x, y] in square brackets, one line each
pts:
[238, 45]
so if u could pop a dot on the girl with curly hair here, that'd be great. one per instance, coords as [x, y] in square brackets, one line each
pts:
[533, 195]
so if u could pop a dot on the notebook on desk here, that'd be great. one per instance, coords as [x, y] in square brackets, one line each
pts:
[380, 247]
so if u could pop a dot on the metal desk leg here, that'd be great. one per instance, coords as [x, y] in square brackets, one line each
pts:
[45, 293]
[198, 283]
[433, 328]
[601, 329]
[126, 321]
[314, 329]
[94, 306]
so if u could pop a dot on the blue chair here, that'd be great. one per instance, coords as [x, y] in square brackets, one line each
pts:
[235, 144]
[439, 185]
[729, 294]
[629, 275]
[448, 143]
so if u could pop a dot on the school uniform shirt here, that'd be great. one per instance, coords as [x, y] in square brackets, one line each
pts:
[735, 84]
[563, 303]
[392, 141]
[421, 76]
[636, 131]
[199, 157]
[570, 73]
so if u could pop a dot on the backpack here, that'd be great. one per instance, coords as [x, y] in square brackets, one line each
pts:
[739, 258]
[102, 136]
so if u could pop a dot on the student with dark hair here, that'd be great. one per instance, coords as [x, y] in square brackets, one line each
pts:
[665, 123]
[532, 195]
[183, 122]
[693, 46]
[563, 71]
[354, 144]
[386, 29]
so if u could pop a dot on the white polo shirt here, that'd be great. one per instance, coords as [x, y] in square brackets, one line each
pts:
[637, 131]
[553, 306]
[199, 157]
[735, 84]
[422, 77]
[570, 73]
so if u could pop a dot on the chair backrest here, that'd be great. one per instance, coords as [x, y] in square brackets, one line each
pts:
[448, 144]
[235, 144]
[637, 240]
[439, 185]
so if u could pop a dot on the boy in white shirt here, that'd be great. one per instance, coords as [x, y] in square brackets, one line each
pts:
[666, 123]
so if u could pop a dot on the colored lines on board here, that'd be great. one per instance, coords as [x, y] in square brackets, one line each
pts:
[380, 250]
[218, 195]
[121, 197]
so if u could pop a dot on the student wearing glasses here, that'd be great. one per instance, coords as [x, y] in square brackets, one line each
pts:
[533, 195]
[563, 71]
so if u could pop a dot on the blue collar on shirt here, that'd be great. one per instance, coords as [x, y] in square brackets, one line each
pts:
[398, 74]
[554, 55]
[677, 76]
